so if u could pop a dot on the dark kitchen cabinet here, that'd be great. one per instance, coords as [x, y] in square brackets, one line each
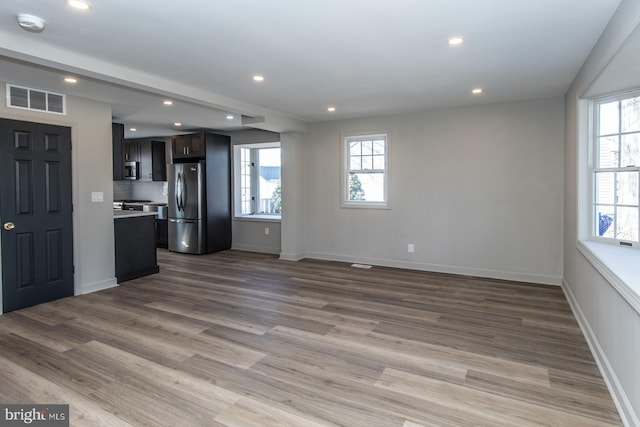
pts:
[144, 153]
[151, 157]
[189, 146]
[117, 136]
[131, 151]
[212, 195]
[162, 233]
[135, 247]
[158, 161]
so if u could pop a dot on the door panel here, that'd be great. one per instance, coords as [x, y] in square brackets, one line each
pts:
[52, 187]
[22, 140]
[192, 191]
[36, 213]
[54, 256]
[24, 187]
[187, 191]
[186, 236]
[25, 255]
[51, 143]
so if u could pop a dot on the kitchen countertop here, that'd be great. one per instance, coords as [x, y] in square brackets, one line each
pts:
[130, 214]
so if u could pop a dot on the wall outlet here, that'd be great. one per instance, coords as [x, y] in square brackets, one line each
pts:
[266, 231]
[97, 197]
[410, 248]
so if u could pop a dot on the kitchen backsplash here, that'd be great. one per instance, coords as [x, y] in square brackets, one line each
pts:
[155, 191]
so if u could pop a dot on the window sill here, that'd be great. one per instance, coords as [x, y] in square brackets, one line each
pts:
[261, 218]
[371, 205]
[618, 265]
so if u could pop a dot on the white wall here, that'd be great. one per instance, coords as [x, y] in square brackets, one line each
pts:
[250, 235]
[90, 123]
[610, 324]
[477, 190]
[293, 195]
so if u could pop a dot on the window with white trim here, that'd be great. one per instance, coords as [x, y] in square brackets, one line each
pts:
[616, 170]
[37, 100]
[365, 177]
[257, 190]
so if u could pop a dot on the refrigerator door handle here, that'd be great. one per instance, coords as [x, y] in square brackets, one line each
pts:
[177, 187]
[183, 191]
[182, 221]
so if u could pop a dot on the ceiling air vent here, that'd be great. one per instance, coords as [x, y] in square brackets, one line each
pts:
[36, 100]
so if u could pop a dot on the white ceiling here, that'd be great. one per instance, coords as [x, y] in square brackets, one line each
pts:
[365, 57]
[622, 73]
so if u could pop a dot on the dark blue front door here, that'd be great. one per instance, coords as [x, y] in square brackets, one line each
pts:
[35, 213]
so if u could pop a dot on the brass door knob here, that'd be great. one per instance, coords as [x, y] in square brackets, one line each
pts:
[9, 226]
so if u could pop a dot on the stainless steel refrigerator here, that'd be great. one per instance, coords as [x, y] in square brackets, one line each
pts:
[187, 208]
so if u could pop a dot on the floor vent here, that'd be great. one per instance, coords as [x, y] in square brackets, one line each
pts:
[363, 266]
[36, 100]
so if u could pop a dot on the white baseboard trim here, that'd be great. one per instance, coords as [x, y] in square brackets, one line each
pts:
[97, 286]
[436, 268]
[620, 399]
[291, 257]
[251, 248]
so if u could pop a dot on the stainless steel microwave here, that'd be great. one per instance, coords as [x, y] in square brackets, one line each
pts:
[131, 170]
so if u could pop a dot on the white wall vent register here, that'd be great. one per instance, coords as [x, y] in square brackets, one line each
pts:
[36, 100]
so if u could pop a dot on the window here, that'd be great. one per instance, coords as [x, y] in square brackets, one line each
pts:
[257, 180]
[616, 170]
[34, 99]
[365, 170]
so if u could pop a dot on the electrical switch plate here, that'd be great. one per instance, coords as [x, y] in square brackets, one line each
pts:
[97, 197]
[410, 248]
[266, 231]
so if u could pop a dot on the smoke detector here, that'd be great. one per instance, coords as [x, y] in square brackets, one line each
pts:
[31, 23]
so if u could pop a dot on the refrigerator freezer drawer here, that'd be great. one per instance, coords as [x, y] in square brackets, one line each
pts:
[186, 236]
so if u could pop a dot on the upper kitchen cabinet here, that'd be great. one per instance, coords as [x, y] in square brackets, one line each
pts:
[188, 146]
[117, 135]
[158, 161]
[151, 157]
[131, 151]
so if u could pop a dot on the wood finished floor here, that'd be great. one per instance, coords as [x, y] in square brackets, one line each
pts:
[243, 339]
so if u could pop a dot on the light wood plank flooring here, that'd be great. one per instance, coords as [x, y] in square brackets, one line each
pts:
[243, 339]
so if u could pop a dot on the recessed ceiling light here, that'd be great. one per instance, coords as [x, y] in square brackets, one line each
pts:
[167, 102]
[455, 41]
[133, 129]
[177, 124]
[79, 4]
[258, 78]
[70, 80]
[476, 91]
[331, 109]
[230, 117]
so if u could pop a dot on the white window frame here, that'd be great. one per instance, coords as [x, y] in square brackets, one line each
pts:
[254, 180]
[593, 169]
[617, 264]
[344, 182]
[46, 93]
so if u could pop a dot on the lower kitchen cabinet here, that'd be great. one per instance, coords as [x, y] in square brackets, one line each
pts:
[135, 246]
[162, 233]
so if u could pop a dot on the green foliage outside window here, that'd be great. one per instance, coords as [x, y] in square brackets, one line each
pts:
[355, 188]
[276, 199]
